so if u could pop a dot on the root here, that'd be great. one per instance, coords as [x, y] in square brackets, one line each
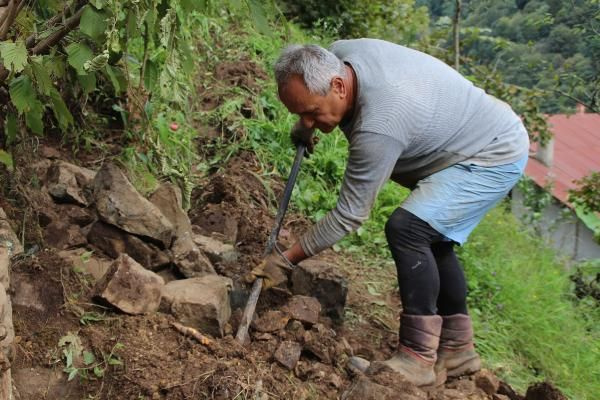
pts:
[187, 331]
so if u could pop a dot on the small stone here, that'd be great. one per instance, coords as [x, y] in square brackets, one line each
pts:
[68, 183]
[358, 365]
[216, 250]
[296, 328]
[304, 309]
[263, 336]
[487, 381]
[365, 389]
[188, 258]
[201, 303]
[130, 287]
[87, 262]
[335, 381]
[271, 321]
[288, 354]
[323, 281]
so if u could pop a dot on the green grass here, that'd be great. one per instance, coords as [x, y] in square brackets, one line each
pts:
[528, 325]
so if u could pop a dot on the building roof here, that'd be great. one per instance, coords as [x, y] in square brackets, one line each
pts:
[576, 153]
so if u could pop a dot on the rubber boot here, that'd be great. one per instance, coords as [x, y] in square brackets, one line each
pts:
[417, 350]
[456, 354]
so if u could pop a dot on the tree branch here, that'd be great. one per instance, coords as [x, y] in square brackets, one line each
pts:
[58, 18]
[9, 18]
[70, 24]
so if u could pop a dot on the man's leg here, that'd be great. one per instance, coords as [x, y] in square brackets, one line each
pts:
[409, 239]
[456, 353]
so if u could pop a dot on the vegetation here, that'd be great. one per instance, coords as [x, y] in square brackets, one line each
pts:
[550, 45]
[131, 68]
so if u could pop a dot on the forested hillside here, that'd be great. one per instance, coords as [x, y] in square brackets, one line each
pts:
[551, 45]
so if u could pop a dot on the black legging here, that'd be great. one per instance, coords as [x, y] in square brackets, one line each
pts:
[429, 274]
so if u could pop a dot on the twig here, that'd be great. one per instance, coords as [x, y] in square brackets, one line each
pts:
[8, 18]
[187, 331]
[70, 24]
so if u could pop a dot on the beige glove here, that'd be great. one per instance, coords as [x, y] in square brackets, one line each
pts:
[274, 270]
[300, 134]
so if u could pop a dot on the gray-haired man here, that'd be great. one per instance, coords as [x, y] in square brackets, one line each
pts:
[410, 118]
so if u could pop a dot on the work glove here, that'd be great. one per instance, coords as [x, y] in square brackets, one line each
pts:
[274, 270]
[302, 135]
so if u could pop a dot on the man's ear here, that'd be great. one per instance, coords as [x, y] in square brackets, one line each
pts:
[338, 86]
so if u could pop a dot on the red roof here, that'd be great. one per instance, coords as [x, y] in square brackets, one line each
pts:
[576, 152]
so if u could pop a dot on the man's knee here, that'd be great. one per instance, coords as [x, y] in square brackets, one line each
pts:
[397, 226]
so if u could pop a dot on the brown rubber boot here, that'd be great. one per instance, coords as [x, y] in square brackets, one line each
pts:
[417, 351]
[456, 353]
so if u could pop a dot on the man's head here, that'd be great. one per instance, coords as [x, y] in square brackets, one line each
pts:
[314, 84]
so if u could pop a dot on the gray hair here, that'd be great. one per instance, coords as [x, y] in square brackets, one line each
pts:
[316, 65]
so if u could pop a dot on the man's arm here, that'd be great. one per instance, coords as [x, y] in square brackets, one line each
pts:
[370, 164]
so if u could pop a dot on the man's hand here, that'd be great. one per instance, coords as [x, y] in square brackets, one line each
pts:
[300, 134]
[274, 270]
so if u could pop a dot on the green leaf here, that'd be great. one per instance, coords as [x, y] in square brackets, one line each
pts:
[114, 361]
[6, 159]
[151, 75]
[10, 128]
[60, 110]
[88, 82]
[93, 23]
[14, 55]
[72, 374]
[99, 4]
[78, 54]
[259, 19]
[22, 93]
[42, 78]
[88, 358]
[34, 118]
[98, 371]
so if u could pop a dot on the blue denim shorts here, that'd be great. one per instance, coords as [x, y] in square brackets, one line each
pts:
[455, 199]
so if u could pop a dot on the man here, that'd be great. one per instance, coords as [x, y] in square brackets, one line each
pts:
[410, 118]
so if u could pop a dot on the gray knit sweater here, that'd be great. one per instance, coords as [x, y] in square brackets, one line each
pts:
[414, 115]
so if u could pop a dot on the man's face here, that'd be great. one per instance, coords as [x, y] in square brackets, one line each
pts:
[315, 111]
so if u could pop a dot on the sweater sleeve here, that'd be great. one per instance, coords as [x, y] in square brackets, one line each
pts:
[371, 161]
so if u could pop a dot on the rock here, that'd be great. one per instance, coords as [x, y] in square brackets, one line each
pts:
[4, 266]
[167, 198]
[487, 382]
[114, 242]
[168, 274]
[216, 250]
[271, 321]
[500, 397]
[296, 329]
[6, 385]
[335, 381]
[288, 354]
[45, 383]
[304, 309]
[8, 238]
[76, 215]
[358, 365]
[63, 235]
[319, 348]
[7, 330]
[508, 391]
[544, 391]
[68, 183]
[119, 204]
[130, 287]
[188, 258]
[87, 262]
[201, 303]
[465, 386]
[25, 293]
[323, 281]
[365, 389]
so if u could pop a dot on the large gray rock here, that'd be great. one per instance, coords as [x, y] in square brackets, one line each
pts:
[216, 250]
[114, 242]
[119, 204]
[323, 281]
[68, 183]
[188, 258]
[130, 287]
[9, 246]
[201, 303]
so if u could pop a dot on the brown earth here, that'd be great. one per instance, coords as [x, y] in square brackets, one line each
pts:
[144, 357]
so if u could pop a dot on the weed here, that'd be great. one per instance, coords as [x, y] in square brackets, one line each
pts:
[83, 363]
